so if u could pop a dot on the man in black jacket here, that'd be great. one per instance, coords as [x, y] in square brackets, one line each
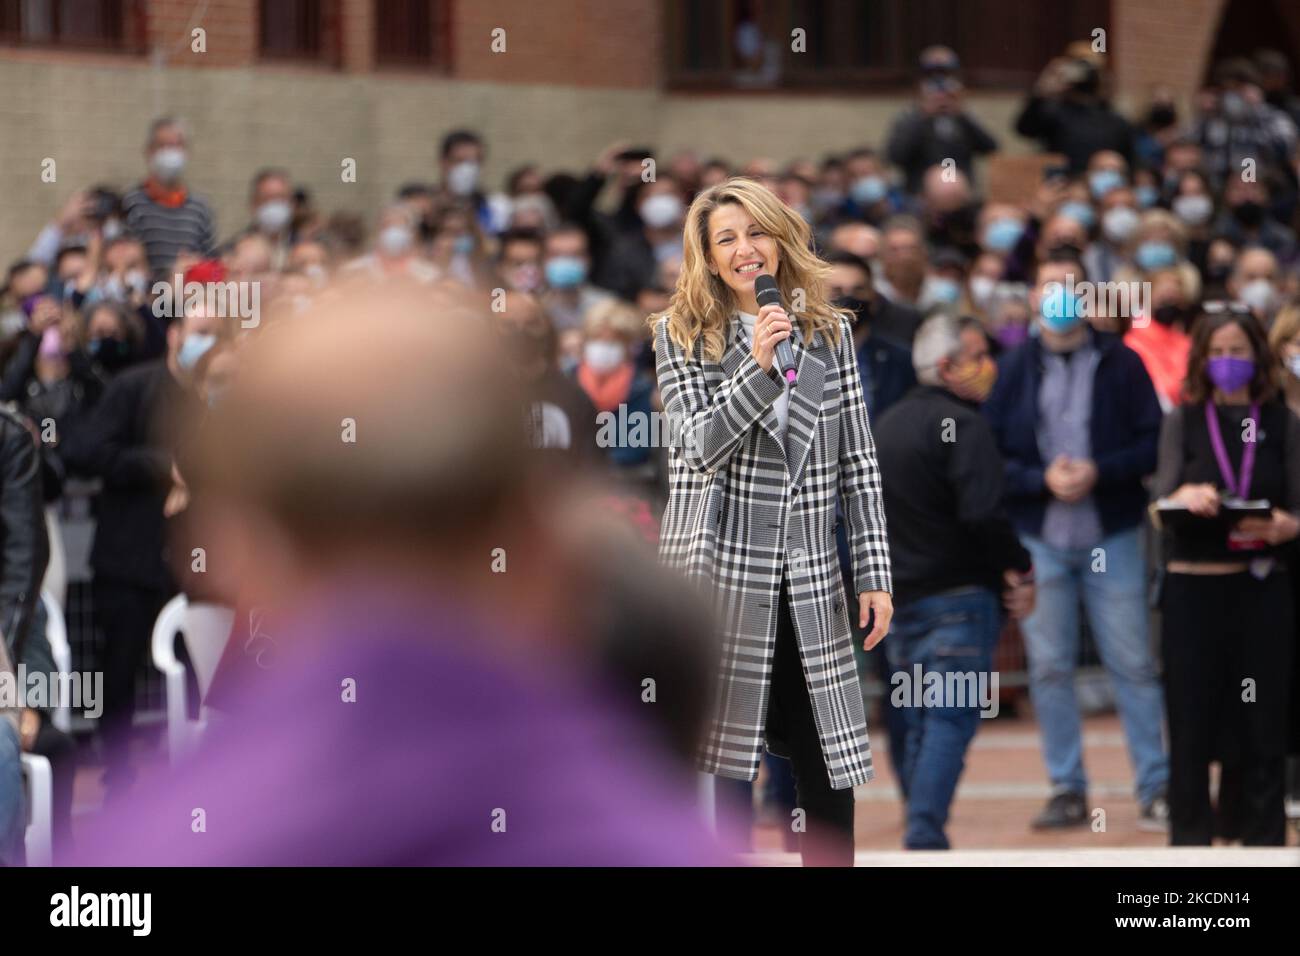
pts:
[938, 128]
[129, 442]
[953, 550]
[1067, 114]
[24, 550]
[559, 420]
[24, 547]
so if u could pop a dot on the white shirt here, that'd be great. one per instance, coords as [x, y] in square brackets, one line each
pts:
[782, 405]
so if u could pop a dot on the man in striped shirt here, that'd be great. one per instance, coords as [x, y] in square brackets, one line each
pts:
[161, 211]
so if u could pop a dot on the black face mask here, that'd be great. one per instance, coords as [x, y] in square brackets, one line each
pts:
[1217, 274]
[1249, 213]
[1066, 251]
[1169, 313]
[111, 353]
[1161, 117]
[959, 220]
[862, 309]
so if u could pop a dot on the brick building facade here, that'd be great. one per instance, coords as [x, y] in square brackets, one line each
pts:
[574, 75]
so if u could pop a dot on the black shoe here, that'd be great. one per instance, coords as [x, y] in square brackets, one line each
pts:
[1063, 810]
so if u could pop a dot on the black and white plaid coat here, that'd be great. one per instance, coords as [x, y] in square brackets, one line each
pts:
[744, 508]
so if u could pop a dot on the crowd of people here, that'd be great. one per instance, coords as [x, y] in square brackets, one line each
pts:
[1084, 436]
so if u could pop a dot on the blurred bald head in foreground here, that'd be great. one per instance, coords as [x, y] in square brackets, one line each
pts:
[382, 427]
[359, 477]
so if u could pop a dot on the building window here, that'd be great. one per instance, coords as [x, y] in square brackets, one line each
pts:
[296, 30]
[867, 44]
[411, 33]
[113, 25]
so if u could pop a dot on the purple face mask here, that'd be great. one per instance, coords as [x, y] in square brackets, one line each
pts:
[51, 343]
[1011, 335]
[1229, 374]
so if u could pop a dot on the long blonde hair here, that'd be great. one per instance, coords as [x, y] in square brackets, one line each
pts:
[702, 304]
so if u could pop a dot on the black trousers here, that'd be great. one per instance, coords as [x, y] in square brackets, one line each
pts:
[792, 733]
[125, 614]
[1220, 632]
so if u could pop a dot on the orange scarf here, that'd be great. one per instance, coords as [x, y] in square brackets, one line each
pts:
[168, 196]
[1164, 350]
[606, 391]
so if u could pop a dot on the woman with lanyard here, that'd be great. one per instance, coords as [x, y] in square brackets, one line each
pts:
[1227, 635]
[756, 468]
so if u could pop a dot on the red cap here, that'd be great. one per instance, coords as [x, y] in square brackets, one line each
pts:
[209, 270]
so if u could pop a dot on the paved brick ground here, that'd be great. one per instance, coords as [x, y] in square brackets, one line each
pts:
[1002, 789]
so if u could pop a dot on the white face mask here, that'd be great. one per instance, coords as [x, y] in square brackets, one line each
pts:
[981, 290]
[1119, 224]
[1293, 366]
[394, 241]
[273, 216]
[167, 163]
[1193, 210]
[462, 179]
[1259, 295]
[603, 356]
[661, 211]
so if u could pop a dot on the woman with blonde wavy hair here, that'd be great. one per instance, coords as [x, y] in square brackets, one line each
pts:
[755, 471]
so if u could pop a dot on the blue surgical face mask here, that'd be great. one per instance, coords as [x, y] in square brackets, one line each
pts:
[942, 291]
[462, 245]
[194, 348]
[565, 272]
[1001, 235]
[1080, 212]
[1103, 181]
[868, 190]
[1147, 196]
[1155, 255]
[1060, 311]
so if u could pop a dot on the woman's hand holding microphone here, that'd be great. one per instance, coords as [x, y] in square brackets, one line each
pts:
[771, 326]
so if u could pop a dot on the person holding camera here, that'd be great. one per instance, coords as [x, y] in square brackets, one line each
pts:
[1067, 114]
[937, 128]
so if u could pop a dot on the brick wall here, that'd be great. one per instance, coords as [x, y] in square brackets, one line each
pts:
[576, 75]
[1162, 43]
[579, 42]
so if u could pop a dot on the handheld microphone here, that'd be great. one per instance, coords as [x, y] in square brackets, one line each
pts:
[766, 292]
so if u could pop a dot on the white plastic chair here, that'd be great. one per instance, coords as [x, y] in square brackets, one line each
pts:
[180, 732]
[38, 779]
[56, 568]
[38, 774]
[56, 633]
[206, 629]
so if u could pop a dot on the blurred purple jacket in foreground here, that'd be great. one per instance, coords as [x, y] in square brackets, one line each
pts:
[441, 737]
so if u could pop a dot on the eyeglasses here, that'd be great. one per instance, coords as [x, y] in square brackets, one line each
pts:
[1223, 307]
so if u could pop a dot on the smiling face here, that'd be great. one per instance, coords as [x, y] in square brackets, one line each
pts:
[740, 249]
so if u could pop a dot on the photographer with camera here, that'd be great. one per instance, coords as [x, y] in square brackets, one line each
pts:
[85, 213]
[1067, 114]
[938, 127]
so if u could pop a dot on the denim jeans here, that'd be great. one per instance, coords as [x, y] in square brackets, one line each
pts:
[13, 814]
[1111, 580]
[949, 633]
